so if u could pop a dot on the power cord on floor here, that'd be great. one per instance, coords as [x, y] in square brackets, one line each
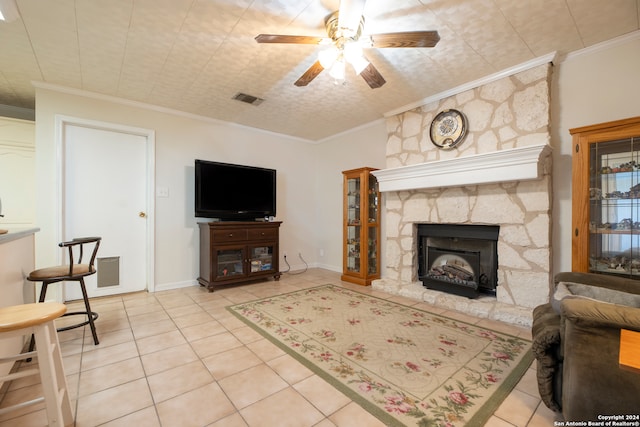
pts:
[288, 270]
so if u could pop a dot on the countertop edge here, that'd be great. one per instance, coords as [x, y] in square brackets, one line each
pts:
[17, 233]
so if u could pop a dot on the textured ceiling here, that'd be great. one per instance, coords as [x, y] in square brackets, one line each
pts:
[195, 55]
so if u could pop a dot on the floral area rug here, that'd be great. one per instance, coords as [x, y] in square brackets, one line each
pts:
[406, 366]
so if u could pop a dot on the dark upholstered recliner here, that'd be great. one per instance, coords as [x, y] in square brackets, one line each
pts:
[576, 341]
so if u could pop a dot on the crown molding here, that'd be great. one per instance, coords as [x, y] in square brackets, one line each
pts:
[156, 108]
[352, 130]
[550, 57]
[605, 45]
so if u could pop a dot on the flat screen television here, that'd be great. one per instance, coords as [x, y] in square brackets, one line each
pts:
[232, 192]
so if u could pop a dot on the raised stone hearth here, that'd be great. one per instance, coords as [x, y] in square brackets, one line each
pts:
[500, 175]
[484, 306]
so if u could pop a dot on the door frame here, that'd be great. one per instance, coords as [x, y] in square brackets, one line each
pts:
[61, 123]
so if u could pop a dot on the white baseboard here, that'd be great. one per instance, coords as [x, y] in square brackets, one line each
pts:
[337, 269]
[294, 269]
[176, 285]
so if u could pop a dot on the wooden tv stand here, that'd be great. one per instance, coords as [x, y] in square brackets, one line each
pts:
[235, 252]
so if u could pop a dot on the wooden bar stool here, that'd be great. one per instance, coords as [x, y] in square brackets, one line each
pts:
[38, 320]
[74, 271]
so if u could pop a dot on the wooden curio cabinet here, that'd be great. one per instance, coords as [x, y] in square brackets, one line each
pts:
[606, 198]
[361, 229]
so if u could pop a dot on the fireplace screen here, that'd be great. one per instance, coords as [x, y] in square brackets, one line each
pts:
[459, 259]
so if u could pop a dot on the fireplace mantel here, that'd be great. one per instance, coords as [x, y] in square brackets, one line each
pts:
[513, 164]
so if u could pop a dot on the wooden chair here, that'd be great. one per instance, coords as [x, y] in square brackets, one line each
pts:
[74, 271]
[38, 320]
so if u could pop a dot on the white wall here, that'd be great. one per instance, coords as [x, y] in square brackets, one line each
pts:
[592, 86]
[364, 146]
[179, 140]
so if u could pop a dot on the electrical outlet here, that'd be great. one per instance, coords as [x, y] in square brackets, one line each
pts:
[284, 254]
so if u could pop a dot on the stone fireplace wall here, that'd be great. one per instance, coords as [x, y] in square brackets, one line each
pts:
[508, 113]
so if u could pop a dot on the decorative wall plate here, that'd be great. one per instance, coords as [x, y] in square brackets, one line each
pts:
[448, 129]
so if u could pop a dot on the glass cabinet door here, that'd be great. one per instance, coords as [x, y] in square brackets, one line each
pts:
[260, 258]
[229, 262]
[372, 225]
[373, 199]
[353, 225]
[614, 211]
[372, 253]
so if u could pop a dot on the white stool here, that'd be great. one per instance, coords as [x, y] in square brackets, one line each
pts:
[38, 319]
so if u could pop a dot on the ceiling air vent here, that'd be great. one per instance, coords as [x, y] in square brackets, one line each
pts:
[249, 99]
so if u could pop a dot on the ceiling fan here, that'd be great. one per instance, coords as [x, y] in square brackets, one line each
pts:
[346, 42]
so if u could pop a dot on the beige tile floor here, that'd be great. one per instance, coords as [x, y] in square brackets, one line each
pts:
[178, 358]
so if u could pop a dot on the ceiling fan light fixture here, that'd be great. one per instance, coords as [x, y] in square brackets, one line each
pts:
[337, 70]
[354, 56]
[365, 41]
[328, 57]
[359, 64]
[345, 28]
[352, 51]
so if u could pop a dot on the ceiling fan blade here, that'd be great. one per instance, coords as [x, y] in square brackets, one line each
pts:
[406, 39]
[279, 38]
[310, 74]
[350, 13]
[372, 76]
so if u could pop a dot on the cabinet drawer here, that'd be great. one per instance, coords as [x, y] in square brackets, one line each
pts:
[230, 235]
[263, 234]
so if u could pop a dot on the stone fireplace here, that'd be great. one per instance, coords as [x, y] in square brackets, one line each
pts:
[499, 176]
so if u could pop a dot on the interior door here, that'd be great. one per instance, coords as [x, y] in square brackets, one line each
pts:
[105, 194]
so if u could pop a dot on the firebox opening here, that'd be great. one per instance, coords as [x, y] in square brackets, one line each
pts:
[451, 269]
[459, 259]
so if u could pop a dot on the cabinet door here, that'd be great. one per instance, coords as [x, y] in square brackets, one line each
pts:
[373, 223]
[353, 225]
[261, 258]
[614, 223]
[372, 252]
[606, 198]
[228, 262]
